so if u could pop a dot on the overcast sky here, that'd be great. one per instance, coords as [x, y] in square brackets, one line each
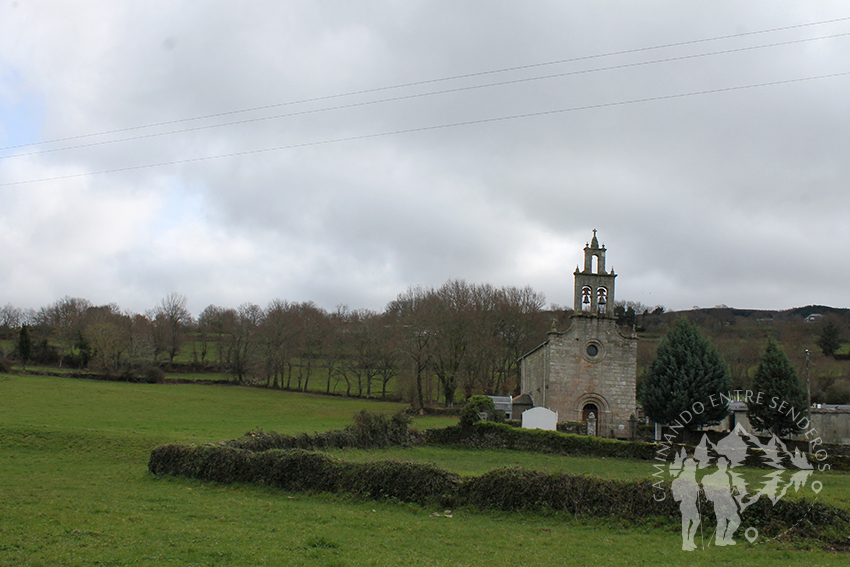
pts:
[713, 160]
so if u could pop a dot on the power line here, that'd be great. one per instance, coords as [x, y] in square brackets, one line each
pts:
[427, 94]
[426, 82]
[429, 128]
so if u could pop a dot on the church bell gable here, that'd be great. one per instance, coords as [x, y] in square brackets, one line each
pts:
[594, 286]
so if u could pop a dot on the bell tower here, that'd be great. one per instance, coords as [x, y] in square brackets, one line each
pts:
[594, 287]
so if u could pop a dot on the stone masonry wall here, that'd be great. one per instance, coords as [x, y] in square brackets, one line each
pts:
[833, 425]
[575, 378]
[534, 375]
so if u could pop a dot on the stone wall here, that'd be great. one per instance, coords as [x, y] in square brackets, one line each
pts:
[534, 375]
[833, 425]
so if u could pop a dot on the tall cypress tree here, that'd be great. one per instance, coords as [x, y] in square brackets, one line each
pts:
[782, 389]
[24, 346]
[686, 373]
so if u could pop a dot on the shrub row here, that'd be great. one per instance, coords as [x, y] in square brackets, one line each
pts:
[371, 431]
[513, 488]
[489, 435]
[367, 431]
[507, 489]
[301, 471]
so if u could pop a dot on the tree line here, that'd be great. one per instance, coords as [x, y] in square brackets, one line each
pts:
[428, 342]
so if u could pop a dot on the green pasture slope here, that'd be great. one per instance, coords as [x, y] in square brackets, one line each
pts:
[74, 490]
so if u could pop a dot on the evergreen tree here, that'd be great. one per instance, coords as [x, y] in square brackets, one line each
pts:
[24, 346]
[685, 376]
[777, 380]
[85, 350]
[829, 339]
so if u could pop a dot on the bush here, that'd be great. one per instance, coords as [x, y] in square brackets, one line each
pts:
[44, 353]
[574, 427]
[147, 375]
[377, 430]
[838, 392]
[475, 406]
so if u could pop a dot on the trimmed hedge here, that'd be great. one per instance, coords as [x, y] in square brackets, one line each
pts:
[302, 471]
[367, 431]
[507, 489]
[376, 431]
[513, 488]
[488, 435]
[258, 441]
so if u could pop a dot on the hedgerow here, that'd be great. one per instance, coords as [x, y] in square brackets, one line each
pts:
[367, 431]
[513, 488]
[303, 471]
[507, 489]
[489, 435]
[378, 431]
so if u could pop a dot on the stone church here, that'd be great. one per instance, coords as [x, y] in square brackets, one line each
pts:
[587, 372]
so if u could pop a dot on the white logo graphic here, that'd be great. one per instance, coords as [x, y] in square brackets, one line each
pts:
[726, 488]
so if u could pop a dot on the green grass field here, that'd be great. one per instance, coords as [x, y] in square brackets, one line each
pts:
[74, 490]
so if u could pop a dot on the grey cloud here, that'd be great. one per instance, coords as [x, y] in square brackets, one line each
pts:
[716, 198]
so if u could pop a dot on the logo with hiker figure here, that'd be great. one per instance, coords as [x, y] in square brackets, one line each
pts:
[711, 477]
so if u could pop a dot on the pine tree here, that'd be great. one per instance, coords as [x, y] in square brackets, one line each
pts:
[777, 380]
[24, 346]
[685, 376]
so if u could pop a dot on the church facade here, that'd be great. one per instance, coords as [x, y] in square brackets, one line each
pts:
[587, 372]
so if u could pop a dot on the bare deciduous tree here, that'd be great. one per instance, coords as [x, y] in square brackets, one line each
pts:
[245, 340]
[279, 341]
[103, 332]
[170, 320]
[411, 315]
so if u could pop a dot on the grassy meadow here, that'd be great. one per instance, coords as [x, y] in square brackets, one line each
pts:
[75, 490]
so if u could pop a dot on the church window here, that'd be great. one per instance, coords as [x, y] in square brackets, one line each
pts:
[593, 351]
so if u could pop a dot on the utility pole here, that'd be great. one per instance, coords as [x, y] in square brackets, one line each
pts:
[809, 392]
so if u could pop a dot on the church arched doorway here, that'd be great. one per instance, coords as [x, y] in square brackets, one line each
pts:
[590, 415]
